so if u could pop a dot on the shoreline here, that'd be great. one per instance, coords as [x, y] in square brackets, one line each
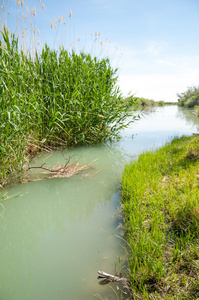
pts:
[160, 204]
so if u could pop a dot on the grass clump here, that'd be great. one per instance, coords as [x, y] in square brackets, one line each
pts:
[160, 202]
[55, 98]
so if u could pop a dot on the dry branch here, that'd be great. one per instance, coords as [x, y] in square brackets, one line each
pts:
[60, 171]
[124, 281]
[110, 277]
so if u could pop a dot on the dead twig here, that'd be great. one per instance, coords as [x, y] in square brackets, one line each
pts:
[124, 281]
[66, 170]
[110, 277]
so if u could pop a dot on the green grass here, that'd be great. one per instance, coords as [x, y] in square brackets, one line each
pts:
[55, 98]
[160, 202]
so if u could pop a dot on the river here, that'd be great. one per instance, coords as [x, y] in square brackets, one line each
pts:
[56, 234]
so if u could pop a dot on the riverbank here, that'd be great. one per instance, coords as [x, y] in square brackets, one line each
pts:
[148, 103]
[160, 203]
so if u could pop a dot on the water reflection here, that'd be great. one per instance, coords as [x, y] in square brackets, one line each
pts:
[56, 236]
[189, 116]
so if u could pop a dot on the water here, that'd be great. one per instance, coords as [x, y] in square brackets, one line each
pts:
[58, 233]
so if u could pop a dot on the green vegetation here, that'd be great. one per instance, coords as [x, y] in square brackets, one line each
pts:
[160, 202]
[196, 110]
[54, 99]
[171, 103]
[189, 98]
[144, 103]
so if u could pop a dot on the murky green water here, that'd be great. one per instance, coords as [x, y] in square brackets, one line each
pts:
[60, 232]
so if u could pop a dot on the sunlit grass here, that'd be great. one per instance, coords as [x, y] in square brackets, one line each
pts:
[160, 201]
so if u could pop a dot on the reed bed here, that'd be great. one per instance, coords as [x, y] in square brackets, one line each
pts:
[160, 202]
[56, 98]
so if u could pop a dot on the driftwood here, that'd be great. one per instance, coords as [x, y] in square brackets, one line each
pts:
[124, 281]
[110, 277]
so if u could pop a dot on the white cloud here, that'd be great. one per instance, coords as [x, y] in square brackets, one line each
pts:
[155, 48]
[167, 63]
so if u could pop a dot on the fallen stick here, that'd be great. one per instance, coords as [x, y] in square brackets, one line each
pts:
[111, 277]
[124, 281]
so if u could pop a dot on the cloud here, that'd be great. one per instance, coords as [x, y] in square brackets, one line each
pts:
[155, 48]
[167, 63]
[157, 86]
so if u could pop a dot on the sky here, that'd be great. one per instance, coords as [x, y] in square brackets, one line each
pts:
[153, 43]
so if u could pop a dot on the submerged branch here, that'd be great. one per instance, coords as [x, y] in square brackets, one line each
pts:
[60, 171]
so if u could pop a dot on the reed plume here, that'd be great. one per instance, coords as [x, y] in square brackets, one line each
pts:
[60, 19]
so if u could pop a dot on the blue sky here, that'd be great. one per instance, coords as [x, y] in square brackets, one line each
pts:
[154, 43]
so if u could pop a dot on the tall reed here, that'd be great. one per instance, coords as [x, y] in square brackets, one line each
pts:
[56, 98]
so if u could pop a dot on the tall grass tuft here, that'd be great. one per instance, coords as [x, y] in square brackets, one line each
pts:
[54, 98]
